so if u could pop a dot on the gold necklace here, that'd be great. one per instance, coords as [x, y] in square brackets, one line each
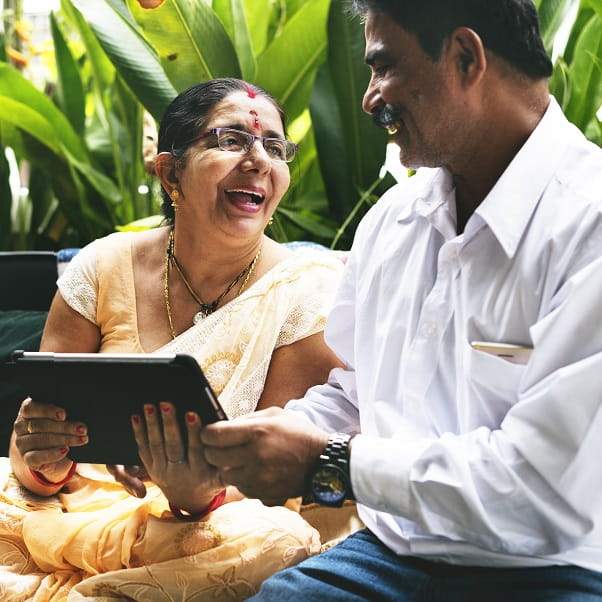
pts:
[206, 308]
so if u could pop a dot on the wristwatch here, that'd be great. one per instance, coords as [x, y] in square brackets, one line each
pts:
[329, 482]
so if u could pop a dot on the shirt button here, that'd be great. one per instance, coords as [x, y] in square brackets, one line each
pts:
[429, 330]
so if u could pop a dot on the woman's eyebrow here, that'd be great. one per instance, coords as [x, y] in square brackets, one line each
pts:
[243, 128]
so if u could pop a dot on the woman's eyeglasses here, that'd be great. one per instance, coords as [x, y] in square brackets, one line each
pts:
[237, 141]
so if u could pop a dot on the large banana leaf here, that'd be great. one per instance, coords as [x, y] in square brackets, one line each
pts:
[130, 53]
[552, 14]
[233, 15]
[258, 15]
[22, 104]
[70, 91]
[190, 40]
[102, 69]
[586, 75]
[287, 67]
[5, 197]
[351, 149]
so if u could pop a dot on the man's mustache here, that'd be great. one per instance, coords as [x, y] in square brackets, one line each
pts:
[386, 116]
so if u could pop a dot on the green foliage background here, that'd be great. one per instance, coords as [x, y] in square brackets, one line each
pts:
[81, 137]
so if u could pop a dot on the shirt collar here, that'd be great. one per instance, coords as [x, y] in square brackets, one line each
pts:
[510, 204]
[429, 188]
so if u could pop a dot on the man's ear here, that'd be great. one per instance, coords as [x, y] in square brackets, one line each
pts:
[468, 54]
[165, 168]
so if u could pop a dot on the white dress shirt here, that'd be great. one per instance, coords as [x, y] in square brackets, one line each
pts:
[464, 456]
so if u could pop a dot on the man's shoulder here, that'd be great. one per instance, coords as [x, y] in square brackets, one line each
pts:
[399, 200]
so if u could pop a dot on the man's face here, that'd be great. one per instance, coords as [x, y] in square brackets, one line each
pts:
[413, 91]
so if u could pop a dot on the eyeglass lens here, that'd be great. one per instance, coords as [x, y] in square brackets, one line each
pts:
[241, 142]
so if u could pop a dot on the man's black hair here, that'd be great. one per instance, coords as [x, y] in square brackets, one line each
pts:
[508, 28]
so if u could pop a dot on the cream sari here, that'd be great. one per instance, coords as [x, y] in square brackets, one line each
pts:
[93, 540]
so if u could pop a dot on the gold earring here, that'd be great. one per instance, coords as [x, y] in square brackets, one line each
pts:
[270, 221]
[174, 195]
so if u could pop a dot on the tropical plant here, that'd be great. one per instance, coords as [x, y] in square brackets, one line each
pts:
[161, 48]
[577, 79]
[116, 57]
[82, 142]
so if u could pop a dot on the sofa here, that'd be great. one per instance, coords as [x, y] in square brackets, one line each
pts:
[28, 284]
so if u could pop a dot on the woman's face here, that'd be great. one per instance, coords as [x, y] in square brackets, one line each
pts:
[228, 192]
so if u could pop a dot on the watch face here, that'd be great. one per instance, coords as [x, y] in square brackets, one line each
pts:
[329, 485]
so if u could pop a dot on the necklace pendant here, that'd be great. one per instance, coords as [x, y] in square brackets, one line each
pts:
[200, 315]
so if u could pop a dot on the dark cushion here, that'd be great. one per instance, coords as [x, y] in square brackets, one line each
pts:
[28, 279]
[19, 329]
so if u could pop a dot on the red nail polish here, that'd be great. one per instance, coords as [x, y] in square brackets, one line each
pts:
[81, 429]
[150, 410]
[136, 419]
[83, 439]
[190, 417]
[64, 450]
[164, 407]
[60, 415]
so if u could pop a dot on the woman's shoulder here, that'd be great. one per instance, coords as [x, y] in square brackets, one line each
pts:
[307, 265]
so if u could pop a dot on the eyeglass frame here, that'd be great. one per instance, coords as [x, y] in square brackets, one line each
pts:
[253, 138]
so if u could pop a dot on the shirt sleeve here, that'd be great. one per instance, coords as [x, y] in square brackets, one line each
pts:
[78, 284]
[333, 406]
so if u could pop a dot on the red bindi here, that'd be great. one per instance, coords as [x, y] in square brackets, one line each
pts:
[250, 91]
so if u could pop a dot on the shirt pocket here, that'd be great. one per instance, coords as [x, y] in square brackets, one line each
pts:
[493, 384]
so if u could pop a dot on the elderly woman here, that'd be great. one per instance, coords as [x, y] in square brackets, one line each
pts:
[210, 284]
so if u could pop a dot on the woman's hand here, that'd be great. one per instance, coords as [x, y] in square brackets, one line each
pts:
[42, 438]
[182, 473]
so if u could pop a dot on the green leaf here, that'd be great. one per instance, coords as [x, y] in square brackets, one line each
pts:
[551, 16]
[146, 223]
[190, 40]
[3, 56]
[351, 148]
[259, 13]
[130, 53]
[233, 15]
[6, 196]
[70, 91]
[595, 4]
[559, 83]
[29, 120]
[308, 222]
[585, 74]
[287, 67]
[102, 68]
[25, 106]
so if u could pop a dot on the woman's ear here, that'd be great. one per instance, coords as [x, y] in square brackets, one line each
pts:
[165, 168]
[468, 54]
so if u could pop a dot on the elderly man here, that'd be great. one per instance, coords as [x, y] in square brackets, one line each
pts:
[467, 422]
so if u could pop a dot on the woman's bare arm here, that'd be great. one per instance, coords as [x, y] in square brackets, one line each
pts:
[295, 368]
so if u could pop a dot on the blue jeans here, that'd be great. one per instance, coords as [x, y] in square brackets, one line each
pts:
[361, 568]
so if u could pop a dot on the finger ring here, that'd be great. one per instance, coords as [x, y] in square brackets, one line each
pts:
[29, 429]
[176, 461]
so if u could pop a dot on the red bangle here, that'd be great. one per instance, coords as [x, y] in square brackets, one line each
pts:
[42, 480]
[216, 502]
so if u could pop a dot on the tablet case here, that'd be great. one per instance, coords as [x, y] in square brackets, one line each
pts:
[104, 390]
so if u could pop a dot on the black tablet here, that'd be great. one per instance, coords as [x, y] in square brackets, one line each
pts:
[103, 390]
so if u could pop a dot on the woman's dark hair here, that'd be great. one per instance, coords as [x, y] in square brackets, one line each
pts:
[186, 117]
[508, 28]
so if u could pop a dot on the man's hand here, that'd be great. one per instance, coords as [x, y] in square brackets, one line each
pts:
[267, 454]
